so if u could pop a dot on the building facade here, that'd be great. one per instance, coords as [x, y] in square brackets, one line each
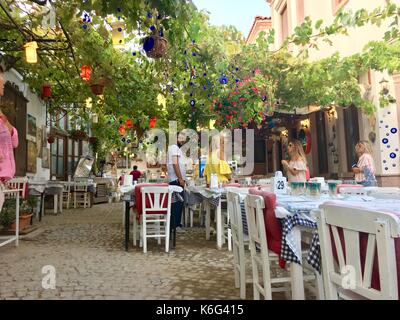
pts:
[334, 132]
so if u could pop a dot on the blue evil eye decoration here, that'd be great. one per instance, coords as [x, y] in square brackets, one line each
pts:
[119, 9]
[152, 28]
[223, 79]
[185, 52]
[393, 130]
[392, 155]
[128, 141]
[237, 80]
[194, 54]
[171, 89]
[192, 103]
[264, 98]
[123, 139]
[191, 94]
[149, 15]
[134, 53]
[119, 29]
[148, 44]
[205, 74]
[385, 140]
[205, 88]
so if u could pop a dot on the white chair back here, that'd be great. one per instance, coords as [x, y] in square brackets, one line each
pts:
[156, 209]
[81, 186]
[383, 192]
[19, 184]
[353, 191]
[346, 278]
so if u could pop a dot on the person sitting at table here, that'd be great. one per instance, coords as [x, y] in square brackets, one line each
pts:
[215, 165]
[365, 169]
[296, 167]
[135, 173]
[8, 142]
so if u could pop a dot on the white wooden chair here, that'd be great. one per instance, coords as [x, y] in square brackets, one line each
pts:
[156, 215]
[262, 258]
[344, 278]
[383, 192]
[81, 194]
[353, 191]
[239, 241]
[18, 183]
[66, 195]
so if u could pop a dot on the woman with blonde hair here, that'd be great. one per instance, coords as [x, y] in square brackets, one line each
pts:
[296, 168]
[365, 169]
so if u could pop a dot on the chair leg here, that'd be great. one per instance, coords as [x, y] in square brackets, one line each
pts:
[167, 234]
[158, 232]
[242, 276]
[229, 239]
[134, 230]
[74, 200]
[144, 235]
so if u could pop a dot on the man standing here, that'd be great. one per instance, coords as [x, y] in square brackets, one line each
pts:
[8, 142]
[177, 177]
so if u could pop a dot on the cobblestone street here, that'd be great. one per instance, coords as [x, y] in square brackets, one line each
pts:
[86, 248]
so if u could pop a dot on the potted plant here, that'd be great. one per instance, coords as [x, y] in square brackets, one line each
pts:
[155, 45]
[51, 139]
[77, 134]
[8, 214]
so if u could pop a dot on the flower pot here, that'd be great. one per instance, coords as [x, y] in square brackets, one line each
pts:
[97, 89]
[155, 46]
[50, 139]
[23, 222]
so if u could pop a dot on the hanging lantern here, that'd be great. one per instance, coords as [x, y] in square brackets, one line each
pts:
[46, 91]
[129, 123]
[122, 130]
[30, 51]
[89, 103]
[86, 71]
[152, 122]
[118, 35]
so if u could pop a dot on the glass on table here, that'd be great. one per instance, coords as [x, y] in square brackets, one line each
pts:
[314, 189]
[332, 186]
[297, 188]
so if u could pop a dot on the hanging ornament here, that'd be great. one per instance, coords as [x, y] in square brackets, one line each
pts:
[86, 72]
[118, 35]
[129, 123]
[46, 91]
[30, 51]
[122, 130]
[152, 122]
[223, 79]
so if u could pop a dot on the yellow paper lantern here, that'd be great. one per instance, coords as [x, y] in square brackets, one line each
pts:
[118, 35]
[212, 124]
[30, 51]
[89, 103]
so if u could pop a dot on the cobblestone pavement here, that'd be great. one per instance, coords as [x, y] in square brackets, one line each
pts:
[86, 248]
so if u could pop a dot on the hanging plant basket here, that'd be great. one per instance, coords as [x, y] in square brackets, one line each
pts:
[97, 89]
[50, 139]
[77, 134]
[155, 46]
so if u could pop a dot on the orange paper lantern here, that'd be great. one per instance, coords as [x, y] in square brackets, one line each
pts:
[122, 130]
[85, 73]
[129, 123]
[152, 122]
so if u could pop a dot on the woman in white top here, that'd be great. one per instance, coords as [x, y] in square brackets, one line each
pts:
[296, 168]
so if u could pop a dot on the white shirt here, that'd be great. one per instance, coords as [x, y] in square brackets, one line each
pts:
[172, 152]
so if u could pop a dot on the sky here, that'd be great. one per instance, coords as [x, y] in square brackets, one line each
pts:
[238, 13]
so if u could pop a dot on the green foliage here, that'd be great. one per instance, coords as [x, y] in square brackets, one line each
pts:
[7, 214]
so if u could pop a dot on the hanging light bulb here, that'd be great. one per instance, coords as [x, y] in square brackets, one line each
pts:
[30, 51]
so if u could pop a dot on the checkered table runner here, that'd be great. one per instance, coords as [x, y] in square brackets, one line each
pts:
[289, 251]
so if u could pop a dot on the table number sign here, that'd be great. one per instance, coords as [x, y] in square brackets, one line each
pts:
[279, 183]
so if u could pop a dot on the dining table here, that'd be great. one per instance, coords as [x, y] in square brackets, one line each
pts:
[297, 215]
[44, 188]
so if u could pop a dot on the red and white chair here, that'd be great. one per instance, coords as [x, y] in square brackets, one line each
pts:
[360, 251]
[156, 214]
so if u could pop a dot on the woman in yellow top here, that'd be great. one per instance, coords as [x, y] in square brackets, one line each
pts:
[219, 167]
